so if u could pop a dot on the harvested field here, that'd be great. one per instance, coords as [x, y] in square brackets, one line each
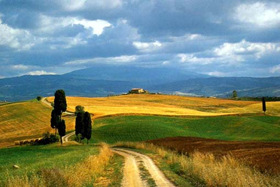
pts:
[264, 156]
[26, 120]
[144, 104]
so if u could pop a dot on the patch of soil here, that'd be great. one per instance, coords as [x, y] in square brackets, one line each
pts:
[264, 156]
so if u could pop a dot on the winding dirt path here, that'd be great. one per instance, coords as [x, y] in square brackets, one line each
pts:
[65, 138]
[131, 171]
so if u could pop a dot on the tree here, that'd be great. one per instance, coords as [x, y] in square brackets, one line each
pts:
[87, 126]
[234, 94]
[79, 123]
[263, 104]
[39, 98]
[60, 104]
[54, 120]
[61, 129]
[78, 109]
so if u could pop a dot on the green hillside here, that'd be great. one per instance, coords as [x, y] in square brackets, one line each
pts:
[31, 159]
[141, 128]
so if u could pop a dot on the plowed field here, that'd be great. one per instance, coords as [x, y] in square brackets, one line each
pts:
[264, 156]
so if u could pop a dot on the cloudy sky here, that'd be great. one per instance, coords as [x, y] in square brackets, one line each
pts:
[214, 37]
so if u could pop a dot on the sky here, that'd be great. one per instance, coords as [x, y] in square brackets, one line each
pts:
[213, 37]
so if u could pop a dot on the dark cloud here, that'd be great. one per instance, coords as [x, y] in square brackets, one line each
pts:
[212, 37]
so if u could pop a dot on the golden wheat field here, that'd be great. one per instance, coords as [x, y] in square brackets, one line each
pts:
[168, 105]
[26, 120]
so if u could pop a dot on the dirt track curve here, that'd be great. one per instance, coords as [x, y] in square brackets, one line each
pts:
[131, 171]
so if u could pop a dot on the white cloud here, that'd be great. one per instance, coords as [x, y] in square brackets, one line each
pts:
[192, 59]
[217, 74]
[275, 69]
[75, 5]
[259, 14]
[104, 4]
[147, 46]
[72, 5]
[166, 62]
[97, 26]
[20, 67]
[244, 50]
[109, 60]
[15, 38]
[186, 37]
[52, 24]
[40, 72]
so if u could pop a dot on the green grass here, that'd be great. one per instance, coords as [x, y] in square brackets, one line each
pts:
[31, 159]
[141, 128]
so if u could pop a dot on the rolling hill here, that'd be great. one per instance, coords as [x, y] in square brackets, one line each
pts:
[25, 120]
[168, 105]
[223, 86]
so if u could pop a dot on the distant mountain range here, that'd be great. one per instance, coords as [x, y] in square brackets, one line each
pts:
[103, 80]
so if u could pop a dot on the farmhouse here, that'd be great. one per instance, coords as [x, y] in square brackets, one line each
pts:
[137, 91]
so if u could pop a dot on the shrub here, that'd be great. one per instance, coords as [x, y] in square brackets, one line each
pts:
[48, 138]
[39, 98]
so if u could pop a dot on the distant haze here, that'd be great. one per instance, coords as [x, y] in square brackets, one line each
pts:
[104, 80]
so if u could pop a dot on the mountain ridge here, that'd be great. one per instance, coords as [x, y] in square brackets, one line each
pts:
[103, 80]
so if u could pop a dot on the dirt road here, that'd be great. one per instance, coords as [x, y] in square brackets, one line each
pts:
[65, 138]
[131, 171]
[45, 102]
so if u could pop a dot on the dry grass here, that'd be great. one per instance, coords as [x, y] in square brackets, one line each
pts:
[83, 173]
[90, 169]
[167, 105]
[26, 120]
[225, 171]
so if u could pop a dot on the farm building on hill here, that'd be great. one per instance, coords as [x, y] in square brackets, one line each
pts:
[137, 91]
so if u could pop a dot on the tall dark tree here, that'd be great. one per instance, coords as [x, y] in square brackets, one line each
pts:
[60, 104]
[54, 120]
[263, 104]
[79, 108]
[87, 126]
[61, 129]
[234, 94]
[79, 123]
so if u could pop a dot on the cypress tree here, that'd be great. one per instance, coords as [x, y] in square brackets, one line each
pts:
[54, 120]
[79, 123]
[263, 105]
[87, 126]
[60, 104]
[61, 129]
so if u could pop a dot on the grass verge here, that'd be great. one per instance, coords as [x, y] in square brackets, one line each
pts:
[81, 173]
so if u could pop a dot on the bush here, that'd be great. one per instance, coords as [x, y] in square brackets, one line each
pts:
[39, 98]
[48, 138]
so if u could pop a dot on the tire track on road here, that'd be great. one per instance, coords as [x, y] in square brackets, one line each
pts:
[154, 171]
